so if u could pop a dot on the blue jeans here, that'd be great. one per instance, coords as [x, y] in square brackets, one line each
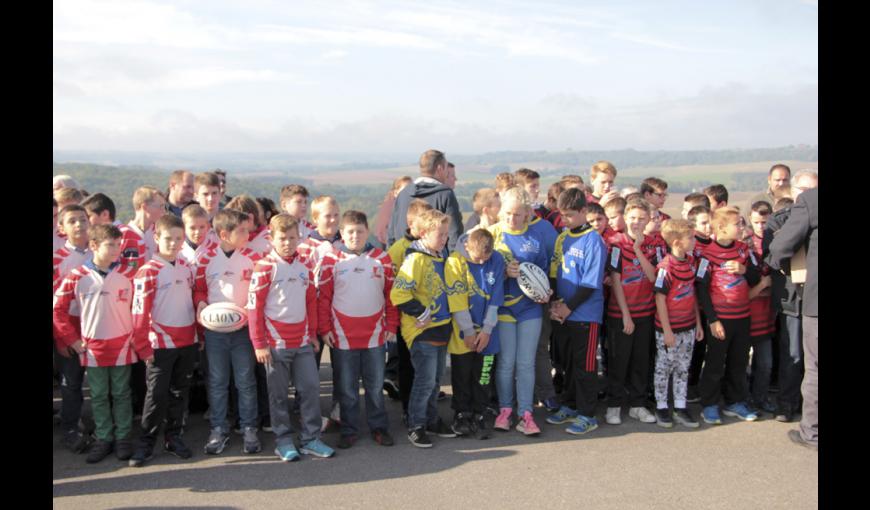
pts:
[762, 364]
[370, 364]
[231, 351]
[519, 343]
[72, 374]
[428, 361]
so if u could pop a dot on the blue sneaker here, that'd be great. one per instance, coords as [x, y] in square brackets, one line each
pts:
[710, 414]
[317, 448]
[581, 425]
[740, 411]
[551, 404]
[287, 452]
[563, 415]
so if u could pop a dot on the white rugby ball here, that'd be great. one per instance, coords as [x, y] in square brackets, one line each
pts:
[223, 317]
[533, 281]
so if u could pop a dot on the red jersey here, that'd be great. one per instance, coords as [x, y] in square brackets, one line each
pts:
[701, 244]
[728, 292]
[260, 241]
[675, 279]
[592, 199]
[658, 246]
[762, 316]
[282, 303]
[636, 286]
[132, 247]
[163, 313]
[354, 301]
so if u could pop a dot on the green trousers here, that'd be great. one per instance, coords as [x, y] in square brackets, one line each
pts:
[114, 380]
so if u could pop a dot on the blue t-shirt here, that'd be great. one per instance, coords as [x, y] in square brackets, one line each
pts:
[579, 261]
[526, 245]
[548, 232]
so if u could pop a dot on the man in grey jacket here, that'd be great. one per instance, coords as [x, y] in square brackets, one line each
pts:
[430, 186]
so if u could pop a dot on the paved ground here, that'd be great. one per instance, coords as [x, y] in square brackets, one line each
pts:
[634, 465]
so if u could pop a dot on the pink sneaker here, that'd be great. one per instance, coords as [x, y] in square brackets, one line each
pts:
[527, 425]
[503, 420]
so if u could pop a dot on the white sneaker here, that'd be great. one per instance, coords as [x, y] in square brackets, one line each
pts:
[612, 417]
[642, 414]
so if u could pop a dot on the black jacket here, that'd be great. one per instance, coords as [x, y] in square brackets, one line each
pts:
[434, 193]
[801, 229]
[785, 296]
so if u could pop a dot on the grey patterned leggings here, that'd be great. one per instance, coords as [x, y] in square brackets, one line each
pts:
[673, 361]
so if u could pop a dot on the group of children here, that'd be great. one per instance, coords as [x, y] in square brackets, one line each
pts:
[622, 274]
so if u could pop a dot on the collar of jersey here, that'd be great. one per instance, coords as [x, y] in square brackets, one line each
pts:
[279, 257]
[507, 230]
[316, 236]
[73, 247]
[418, 247]
[163, 260]
[90, 265]
[583, 230]
[367, 248]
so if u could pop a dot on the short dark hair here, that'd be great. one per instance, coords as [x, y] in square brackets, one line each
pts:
[779, 165]
[228, 220]
[652, 185]
[695, 211]
[99, 233]
[290, 190]
[697, 199]
[594, 208]
[70, 208]
[762, 207]
[206, 179]
[99, 202]
[525, 175]
[168, 221]
[571, 199]
[718, 192]
[354, 218]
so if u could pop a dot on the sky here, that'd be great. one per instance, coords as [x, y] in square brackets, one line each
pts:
[406, 76]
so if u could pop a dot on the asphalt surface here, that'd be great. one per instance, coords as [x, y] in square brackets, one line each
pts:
[633, 465]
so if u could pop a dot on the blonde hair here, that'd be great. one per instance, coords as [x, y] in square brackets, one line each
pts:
[504, 181]
[722, 215]
[429, 220]
[602, 166]
[430, 160]
[283, 223]
[415, 208]
[484, 197]
[480, 241]
[637, 203]
[573, 181]
[66, 196]
[193, 211]
[676, 229]
[145, 195]
[320, 202]
[519, 195]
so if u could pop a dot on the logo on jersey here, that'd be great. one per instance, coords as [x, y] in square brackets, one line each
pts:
[490, 277]
[123, 295]
[530, 246]
[247, 274]
[575, 252]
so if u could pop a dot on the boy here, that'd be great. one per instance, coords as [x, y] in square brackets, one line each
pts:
[73, 224]
[223, 274]
[596, 217]
[163, 316]
[58, 238]
[403, 377]
[356, 317]
[282, 306]
[474, 275]
[691, 200]
[655, 192]
[678, 324]
[578, 270]
[614, 209]
[101, 290]
[486, 204]
[550, 211]
[207, 192]
[196, 230]
[570, 181]
[724, 276]
[762, 317]
[101, 211]
[630, 316]
[294, 201]
[717, 194]
[602, 175]
[421, 295]
[68, 196]
[504, 181]
[258, 236]
[531, 182]
[699, 217]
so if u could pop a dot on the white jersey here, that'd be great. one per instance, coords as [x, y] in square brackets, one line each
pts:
[224, 280]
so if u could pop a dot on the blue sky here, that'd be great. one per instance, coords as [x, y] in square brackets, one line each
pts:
[403, 76]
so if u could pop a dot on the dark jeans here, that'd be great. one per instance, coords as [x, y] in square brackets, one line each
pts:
[369, 363]
[628, 367]
[231, 353]
[762, 363]
[578, 342]
[138, 386]
[471, 376]
[168, 381]
[790, 364]
[725, 362]
[810, 386]
[72, 373]
[391, 370]
[406, 370]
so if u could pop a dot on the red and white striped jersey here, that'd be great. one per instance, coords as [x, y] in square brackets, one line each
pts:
[260, 241]
[163, 311]
[282, 303]
[354, 301]
[191, 254]
[147, 238]
[59, 240]
[224, 280]
[65, 260]
[132, 247]
[106, 321]
[315, 248]
[305, 229]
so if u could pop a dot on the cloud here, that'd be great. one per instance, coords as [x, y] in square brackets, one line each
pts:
[654, 42]
[347, 36]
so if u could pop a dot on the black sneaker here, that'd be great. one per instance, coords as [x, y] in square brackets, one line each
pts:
[440, 429]
[663, 418]
[99, 451]
[75, 441]
[418, 438]
[392, 389]
[346, 441]
[266, 423]
[482, 428]
[382, 437]
[462, 425]
[144, 452]
[123, 449]
[441, 396]
[685, 418]
[175, 446]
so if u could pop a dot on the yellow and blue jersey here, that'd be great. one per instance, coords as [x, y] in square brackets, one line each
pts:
[474, 287]
[525, 245]
[421, 278]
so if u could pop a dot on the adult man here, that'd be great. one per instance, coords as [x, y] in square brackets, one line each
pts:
[180, 191]
[777, 186]
[225, 199]
[802, 230]
[450, 180]
[430, 186]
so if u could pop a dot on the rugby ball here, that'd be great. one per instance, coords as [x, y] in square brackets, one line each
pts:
[223, 317]
[533, 281]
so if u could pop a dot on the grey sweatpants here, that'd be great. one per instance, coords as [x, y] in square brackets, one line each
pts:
[810, 387]
[307, 383]
[673, 361]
